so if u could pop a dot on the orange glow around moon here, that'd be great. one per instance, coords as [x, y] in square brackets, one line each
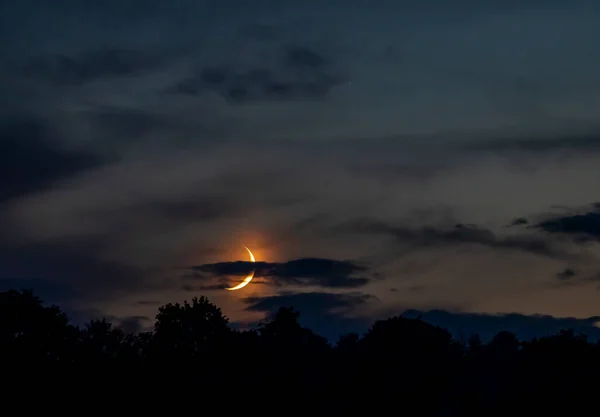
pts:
[246, 280]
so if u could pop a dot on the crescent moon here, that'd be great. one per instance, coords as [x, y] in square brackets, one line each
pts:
[248, 278]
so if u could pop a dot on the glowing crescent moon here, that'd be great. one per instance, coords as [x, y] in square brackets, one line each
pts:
[246, 280]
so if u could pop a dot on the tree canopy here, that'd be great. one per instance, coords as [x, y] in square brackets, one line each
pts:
[399, 362]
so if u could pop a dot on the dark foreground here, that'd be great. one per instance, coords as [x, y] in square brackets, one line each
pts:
[194, 360]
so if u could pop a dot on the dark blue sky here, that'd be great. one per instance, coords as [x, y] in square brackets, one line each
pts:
[376, 158]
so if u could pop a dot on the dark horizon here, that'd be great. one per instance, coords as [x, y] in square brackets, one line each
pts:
[460, 325]
[192, 347]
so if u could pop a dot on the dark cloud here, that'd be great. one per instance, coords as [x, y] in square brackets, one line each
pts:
[580, 143]
[582, 227]
[458, 234]
[570, 277]
[307, 271]
[519, 221]
[299, 57]
[324, 313]
[67, 272]
[207, 207]
[298, 72]
[215, 287]
[128, 123]
[73, 277]
[31, 159]
[314, 301]
[88, 66]
[487, 325]
[330, 315]
[566, 274]
[196, 288]
[51, 292]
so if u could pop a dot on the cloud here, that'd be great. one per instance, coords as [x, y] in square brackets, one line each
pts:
[566, 274]
[307, 271]
[295, 72]
[524, 326]
[120, 123]
[51, 292]
[334, 314]
[542, 144]
[582, 227]
[327, 314]
[77, 69]
[459, 234]
[519, 221]
[32, 159]
[68, 273]
[314, 301]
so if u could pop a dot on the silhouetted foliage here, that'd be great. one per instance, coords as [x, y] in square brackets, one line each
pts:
[401, 365]
[474, 343]
[283, 335]
[190, 329]
[31, 334]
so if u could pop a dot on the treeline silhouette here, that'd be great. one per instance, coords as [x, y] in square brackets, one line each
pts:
[400, 366]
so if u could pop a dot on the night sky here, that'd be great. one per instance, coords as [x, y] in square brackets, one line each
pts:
[433, 157]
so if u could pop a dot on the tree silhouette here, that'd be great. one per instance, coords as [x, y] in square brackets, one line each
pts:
[348, 343]
[474, 343]
[102, 343]
[504, 346]
[414, 357]
[192, 353]
[399, 336]
[284, 333]
[190, 329]
[33, 334]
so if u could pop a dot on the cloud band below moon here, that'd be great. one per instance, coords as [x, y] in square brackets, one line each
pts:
[306, 271]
